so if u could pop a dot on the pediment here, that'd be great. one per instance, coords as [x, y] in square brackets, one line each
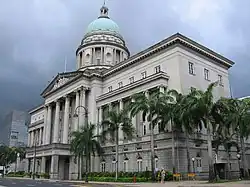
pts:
[60, 80]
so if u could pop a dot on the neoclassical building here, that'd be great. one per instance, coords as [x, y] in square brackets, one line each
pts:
[107, 76]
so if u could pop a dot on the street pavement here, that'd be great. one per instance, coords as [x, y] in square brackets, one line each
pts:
[22, 182]
[9, 182]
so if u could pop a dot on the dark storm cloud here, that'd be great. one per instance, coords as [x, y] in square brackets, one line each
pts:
[37, 35]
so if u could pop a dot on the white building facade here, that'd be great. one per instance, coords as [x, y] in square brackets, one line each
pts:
[107, 76]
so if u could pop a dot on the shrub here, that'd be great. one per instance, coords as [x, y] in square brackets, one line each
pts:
[45, 175]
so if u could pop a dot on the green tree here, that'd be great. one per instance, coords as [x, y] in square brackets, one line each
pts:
[114, 121]
[151, 106]
[239, 118]
[84, 143]
[201, 104]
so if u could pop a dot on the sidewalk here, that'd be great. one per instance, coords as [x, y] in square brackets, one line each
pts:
[166, 184]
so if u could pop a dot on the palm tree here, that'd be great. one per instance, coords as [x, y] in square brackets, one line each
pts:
[111, 125]
[85, 142]
[239, 117]
[201, 105]
[152, 107]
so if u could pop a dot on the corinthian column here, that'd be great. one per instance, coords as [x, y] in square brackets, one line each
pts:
[56, 125]
[81, 110]
[66, 120]
[76, 120]
[45, 124]
[48, 124]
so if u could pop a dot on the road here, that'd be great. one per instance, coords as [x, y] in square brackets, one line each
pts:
[8, 182]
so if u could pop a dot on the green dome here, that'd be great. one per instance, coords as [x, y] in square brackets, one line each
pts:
[103, 24]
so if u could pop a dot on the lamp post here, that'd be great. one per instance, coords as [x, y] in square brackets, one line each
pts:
[239, 156]
[18, 154]
[193, 159]
[86, 122]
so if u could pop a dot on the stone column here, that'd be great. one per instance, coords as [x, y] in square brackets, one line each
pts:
[56, 125]
[45, 124]
[48, 125]
[100, 110]
[54, 167]
[32, 138]
[81, 110]
[73, 168]
[66, 120]
[40, 136]
[43, 164]
[76, 119]
[121, 136]
[28, 139]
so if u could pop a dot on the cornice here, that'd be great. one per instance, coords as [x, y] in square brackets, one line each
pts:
[39, 107]
[135, 84]
[164, 44]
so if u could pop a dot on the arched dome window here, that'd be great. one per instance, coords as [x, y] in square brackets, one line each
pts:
[109, 57]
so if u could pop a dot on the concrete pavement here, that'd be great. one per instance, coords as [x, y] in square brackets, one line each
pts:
[22, 182]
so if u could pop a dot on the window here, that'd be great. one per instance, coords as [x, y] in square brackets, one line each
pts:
[98, 61]
[220, 80]
[143, 117]
[103, 166]
[144, 130]
[198, 162]
[110, 88]
[113, 165]
[144, 74]
[191, 68]
[139, 165]
[157, 69]
[120, 84]
[206, 74]
[125, 165]
[156, 162]
[131, 80]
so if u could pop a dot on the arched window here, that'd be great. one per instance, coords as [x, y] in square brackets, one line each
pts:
[113, 164]
[156, 161]
[125, 163]
[109, 58]
[103, 165]
[139, 163]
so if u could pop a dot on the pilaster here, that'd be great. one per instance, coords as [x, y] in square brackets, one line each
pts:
[54, 167]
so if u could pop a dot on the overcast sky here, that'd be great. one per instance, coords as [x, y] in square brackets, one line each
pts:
[37, 35]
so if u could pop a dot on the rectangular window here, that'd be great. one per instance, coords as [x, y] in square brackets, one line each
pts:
[113, 166]
[220, 80]
[156, 162]
[191, 68]
[157, 69]
[103, 165]
[120, 84]
[139, 165]
[144, 130]
[144, 75]
[198, 162]
[125, 166]
[110, 88]
[131, 80]
[206, 74]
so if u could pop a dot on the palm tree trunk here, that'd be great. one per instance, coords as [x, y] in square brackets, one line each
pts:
[173, 150]
[244, 160]
[79, 168]
[188, 153]
[87, 167]
[210, 154]
[152, 151]
[117, 154]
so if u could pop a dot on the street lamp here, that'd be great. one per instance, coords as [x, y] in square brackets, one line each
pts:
[193, 159]
[86, 122]
[239, 156]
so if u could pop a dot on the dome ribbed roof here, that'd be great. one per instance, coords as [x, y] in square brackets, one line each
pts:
[103, 24]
